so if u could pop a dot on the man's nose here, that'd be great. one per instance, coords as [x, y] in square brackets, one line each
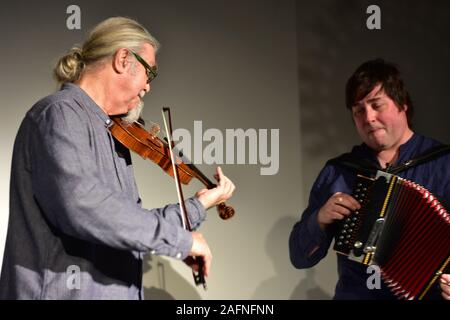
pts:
[370, 115]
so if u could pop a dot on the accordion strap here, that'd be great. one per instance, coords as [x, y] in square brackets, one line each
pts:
[348, 160]
[367, 167]
[430, 154]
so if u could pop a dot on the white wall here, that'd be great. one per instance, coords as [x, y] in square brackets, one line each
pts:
[231, 64]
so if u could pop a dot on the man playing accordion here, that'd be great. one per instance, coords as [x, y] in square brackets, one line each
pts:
[382, 111]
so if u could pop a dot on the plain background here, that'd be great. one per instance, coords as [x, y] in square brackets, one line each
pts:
[241, 64]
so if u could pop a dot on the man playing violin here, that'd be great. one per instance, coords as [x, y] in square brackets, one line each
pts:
[77, 229]
[382, 111]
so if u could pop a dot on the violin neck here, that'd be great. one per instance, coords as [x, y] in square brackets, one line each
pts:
[200, 176]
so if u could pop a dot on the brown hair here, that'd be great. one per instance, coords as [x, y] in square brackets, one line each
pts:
[372, 73]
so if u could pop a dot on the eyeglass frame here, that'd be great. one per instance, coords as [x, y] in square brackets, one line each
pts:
[152, 72]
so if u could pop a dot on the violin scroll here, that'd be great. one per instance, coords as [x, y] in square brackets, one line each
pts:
[145, 143]
[225, 212]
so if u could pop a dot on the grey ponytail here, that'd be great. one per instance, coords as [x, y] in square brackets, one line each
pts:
[103, 41]
[69, 67]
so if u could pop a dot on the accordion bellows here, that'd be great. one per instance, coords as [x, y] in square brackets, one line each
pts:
[402, 228]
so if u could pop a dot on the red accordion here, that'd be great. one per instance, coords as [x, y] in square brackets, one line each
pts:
[402, 228]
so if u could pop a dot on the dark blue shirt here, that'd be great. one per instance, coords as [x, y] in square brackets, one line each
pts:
[308, 244]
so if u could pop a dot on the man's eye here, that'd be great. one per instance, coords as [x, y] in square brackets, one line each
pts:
[377, 105]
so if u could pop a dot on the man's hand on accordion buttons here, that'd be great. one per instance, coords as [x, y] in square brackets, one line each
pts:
[445, 286]
[338, 206]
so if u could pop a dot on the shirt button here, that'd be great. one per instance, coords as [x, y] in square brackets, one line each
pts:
[178, 256]
[108, 121]
[152, 252]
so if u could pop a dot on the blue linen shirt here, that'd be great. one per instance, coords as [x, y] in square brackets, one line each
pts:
[76, 228]
[308, 244]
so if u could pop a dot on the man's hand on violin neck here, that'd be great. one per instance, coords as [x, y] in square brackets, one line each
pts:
[221, 193]
[199, 249]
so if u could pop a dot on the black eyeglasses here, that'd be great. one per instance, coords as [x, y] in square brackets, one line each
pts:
[152, 72]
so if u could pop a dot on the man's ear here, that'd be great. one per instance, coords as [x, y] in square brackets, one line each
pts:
[405, 107]
[120, 60]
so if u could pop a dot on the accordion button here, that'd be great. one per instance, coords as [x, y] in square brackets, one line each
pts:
[358, 244]
[339, 243]
[345, 226]
[341, 237]
[350, 230]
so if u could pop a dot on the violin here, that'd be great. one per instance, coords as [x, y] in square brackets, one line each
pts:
[135, 137]
[148, 145]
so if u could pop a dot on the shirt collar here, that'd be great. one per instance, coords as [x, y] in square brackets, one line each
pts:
[406, 150]
[82, 97]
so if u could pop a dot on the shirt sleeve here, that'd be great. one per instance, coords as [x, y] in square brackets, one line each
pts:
[196, 212]
[308, 243]
[76, 201]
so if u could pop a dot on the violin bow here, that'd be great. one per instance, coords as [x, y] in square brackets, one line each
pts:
[199, 277]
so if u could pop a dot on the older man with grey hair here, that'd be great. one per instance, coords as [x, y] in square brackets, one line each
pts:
[74, 204]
